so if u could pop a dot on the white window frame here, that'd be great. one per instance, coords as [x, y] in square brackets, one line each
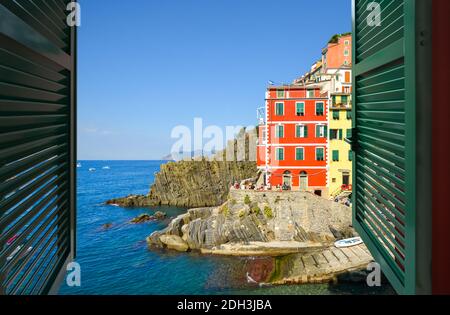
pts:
[277, 155]
[277, 133]
[284, 94]
[304, 108]
[276, 103]
[346, 52]
[303, 149]
[323, 107]
[302, 131]
[323, 148]
[321, 131]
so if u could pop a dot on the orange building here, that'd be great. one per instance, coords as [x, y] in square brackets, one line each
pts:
[338, 52]
[293, 145]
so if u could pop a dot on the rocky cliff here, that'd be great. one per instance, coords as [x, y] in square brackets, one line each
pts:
[200, 182]
[266, 223]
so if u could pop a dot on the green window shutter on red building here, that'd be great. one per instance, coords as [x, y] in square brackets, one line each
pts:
[280, 154]
[300, 109]
[385, 102]
[320, 154]
[299, 154]
[319, 109]
[279, 108]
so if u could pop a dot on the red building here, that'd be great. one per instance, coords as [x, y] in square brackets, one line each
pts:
[293, 144]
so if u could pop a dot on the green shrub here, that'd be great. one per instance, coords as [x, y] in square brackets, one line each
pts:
[256, 210]
[247, 200]
[268, 212]
[241, 213]
[225, 210]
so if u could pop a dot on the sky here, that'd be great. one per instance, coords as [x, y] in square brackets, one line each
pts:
[147, 66]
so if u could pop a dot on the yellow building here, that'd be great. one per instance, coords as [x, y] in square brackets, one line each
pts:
[340, 158]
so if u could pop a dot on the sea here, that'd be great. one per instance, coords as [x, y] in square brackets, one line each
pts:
[114, 258]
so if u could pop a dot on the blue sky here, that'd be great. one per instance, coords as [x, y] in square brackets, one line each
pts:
[146, 66]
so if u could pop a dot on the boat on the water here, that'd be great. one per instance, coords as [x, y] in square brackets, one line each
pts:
[92, 169]
[349, 242]
[106, 168]
[78, 165]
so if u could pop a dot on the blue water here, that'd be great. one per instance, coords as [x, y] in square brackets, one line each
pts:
[117, 260]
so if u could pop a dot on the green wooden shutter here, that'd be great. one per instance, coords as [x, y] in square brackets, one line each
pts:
[280, 154]
[336, 115]
[319, 109]
[349, 115]
[340, 134]
[335, 155]
[319, 154]
[37, 145]
[384, 139]
[300, 109]
[299, 154]
[348, 134]
[306, 131]
[279, 109]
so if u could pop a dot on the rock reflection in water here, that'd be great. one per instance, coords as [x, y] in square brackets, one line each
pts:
[233, 272]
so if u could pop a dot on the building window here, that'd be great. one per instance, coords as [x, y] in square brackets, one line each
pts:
[347, 42]
[333, 180]
[321, 131]
[279, 131]
[319, 109]
[344, 99]
[301, 131]
[299, 154]
[346, 62]
[335, 155]
[300, 109]
[333, 134]
[346, 52]
[349, 134]
[335, 115]
[280, 154]
[281, 93]
[320, 154]
[310, 94]
[349, 114]
[279, 109]
[350, 155]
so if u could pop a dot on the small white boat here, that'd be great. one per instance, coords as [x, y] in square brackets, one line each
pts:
[349, 242]
[92, 169]
[78, 165]
[106, 168]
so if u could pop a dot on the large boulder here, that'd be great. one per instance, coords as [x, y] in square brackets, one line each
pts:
[174, 242]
